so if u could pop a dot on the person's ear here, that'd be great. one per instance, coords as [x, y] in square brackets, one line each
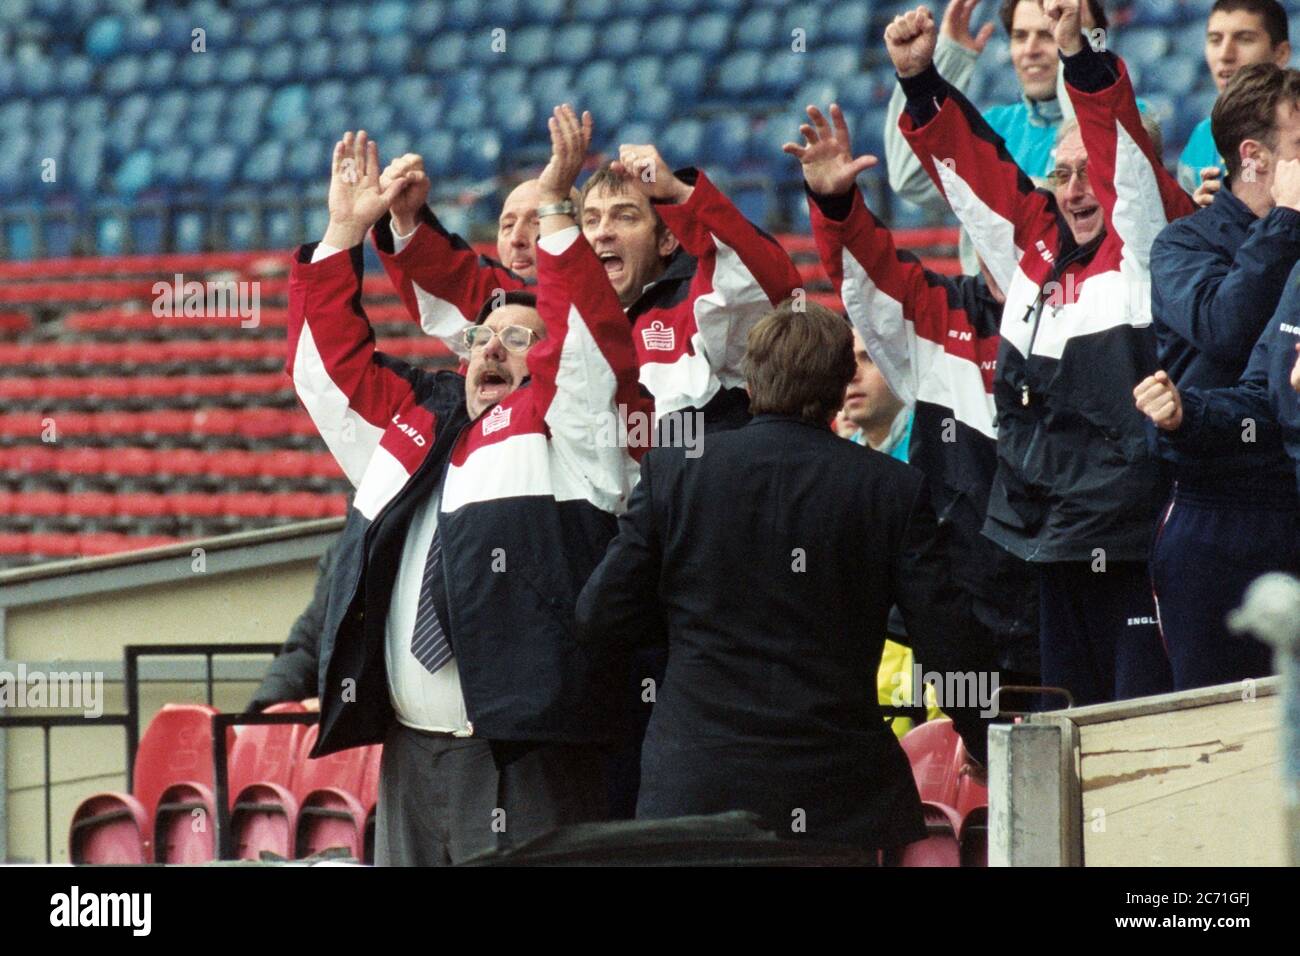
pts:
[1282, 54]
[667, 243]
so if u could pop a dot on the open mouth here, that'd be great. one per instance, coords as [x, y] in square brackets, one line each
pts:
[1084, 215]
[493, 385]
[613, 264]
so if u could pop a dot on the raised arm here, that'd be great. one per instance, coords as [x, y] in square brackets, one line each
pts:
[741, 271]
[908, 317]
[1137, 195]
[585, 371]
[440, 279]
[955, 55]
[350, 390]
[992, 197]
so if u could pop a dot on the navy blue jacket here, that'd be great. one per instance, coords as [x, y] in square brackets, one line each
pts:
[1217, 277]
[1214, 419]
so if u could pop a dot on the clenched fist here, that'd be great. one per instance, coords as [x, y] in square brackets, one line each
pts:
[910, 40]
[1295, 372]
[407, 205]
[1158, 399]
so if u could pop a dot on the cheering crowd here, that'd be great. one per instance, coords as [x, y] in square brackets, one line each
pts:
[545, 626]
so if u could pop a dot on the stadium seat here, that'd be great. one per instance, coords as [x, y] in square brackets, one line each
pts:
[940, 846]
[184, 825]
[109, 830]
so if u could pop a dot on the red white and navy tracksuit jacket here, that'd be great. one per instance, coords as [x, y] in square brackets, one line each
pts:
[689, 327]
[1075, 469]
[535, 482]
[935, 340]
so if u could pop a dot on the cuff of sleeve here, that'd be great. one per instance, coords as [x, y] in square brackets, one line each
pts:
[925, 86]
[400, 240]
[1286, 217]
[1089, 70]
[952, 46]
[557, 243]
[323, 251]
[834, 208]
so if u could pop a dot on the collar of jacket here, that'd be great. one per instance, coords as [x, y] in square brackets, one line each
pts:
[767, 419]
[1228, 205]
[1042, 112]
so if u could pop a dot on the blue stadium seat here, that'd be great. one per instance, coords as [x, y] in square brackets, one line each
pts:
[307, 23]
[446, 53]
[421, 114]
[573, 43]
[110, 235]
[123, 74]
[346, 21]
[528, 46]
[686, 74]
[352, 57]
[135, 173]
[282, 230]
[438, 148]
[835, 62]
[682, 141]
[755, 203]
[741, 74]
[215, 167]
[653, 105]
[462, 14]
[1142, 46]
[265, 163]
[852, 21]
[547, 11]
[328, 94]
[239, 229]
[1161, 13]
[75, 74]
[160, 132]
[783, 72]
[480, 153]
[190, 228]
[198, 70]
[710, 33]
[266, 27]
[308, 161]
[236, 67]
[387, 19]
[392, 55]
[636, 133]
[159, 70]
[276, 64]
[1175, 75]
[86, 161]
[410, 91]
[622, 38]
[596, 79]
[513, 116]
[726, 141]
[644, 73]
[552, 86]
[758, 30]
[105, 38]
[667, 37]
[806, 17]
[465, 113]
[289, 103]
[425, 18]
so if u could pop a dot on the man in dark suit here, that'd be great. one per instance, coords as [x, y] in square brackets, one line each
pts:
[773, 558]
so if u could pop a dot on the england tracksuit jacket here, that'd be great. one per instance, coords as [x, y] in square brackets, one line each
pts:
[689, 326]
[528, 483]
[1075, 472]
[935, 340]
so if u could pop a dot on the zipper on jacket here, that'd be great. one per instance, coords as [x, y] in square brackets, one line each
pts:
[1036, 307]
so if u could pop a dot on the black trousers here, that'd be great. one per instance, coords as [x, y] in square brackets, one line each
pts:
[444, 799]
[1098, 633]
[1206, 554]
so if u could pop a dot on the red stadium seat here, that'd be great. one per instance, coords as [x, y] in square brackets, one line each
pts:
[109, 829]
[175, 749]
[184, 825]
[264, 811]
[940, 846]
[329, 790]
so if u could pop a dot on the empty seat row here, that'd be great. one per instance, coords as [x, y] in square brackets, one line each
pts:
[282, 802]
[302, 505]
[165, 463]
[250, 423]
[187, 351]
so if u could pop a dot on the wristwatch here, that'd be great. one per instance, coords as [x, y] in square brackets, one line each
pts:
[563, 208]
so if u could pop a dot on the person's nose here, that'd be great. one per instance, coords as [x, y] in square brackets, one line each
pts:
[495, 349]
[604, 229]
[520, 235]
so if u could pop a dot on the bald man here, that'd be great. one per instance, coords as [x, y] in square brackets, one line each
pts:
[440, 279]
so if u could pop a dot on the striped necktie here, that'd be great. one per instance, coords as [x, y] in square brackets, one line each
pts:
[429, 641]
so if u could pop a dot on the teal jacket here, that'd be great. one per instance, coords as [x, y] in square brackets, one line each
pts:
[1199, 153]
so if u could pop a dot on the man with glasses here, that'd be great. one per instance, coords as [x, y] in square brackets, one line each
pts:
[483, 503]
[1077, 490]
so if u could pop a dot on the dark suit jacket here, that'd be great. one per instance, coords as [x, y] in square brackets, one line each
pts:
[774, 559]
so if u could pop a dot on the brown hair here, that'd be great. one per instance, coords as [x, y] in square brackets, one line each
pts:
[605, 178]
[1270, 11]
[799, 362]
[1247, 109]
[1007, 13]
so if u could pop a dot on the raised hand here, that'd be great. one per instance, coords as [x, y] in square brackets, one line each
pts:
[828, 164]
[355, 199]
[406, 206]
[1211, 183]
[570, 140]
[910, 40]
[644, 168]
[1158, 399]
[956, 26]
[1064, 16]
[1285, 187]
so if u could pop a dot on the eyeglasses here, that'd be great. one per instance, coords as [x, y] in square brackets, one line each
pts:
[1061, 175]
[516, 338]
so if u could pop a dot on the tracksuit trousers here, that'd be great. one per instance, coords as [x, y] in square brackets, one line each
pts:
[1208, 550]
[1098, 634]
